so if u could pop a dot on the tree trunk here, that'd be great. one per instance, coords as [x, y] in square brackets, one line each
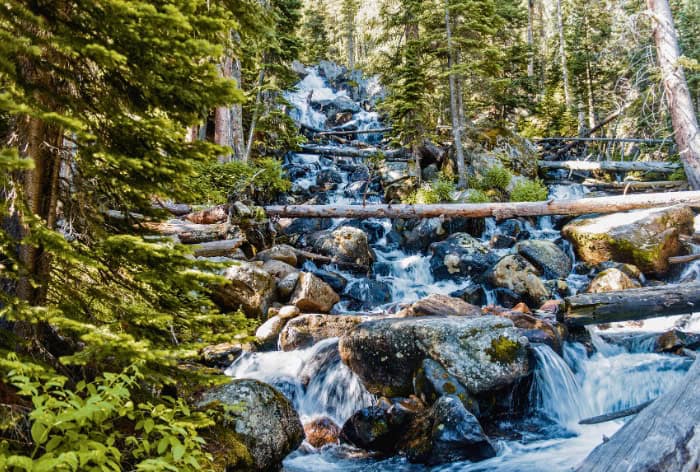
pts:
[562, 53]
[225, 247]
[223, 134]
[530, 42]
[389, 154]
[613, 166]
[454, 111]
[685, 122]
[579, 206]
[256, 112]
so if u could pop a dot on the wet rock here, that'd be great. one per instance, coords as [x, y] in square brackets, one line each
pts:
[299, 69]
[450, 433]
[335, 280]
[321, 431]
[368, 293]
[472, 294]
[419, 234]
[483, 353]
[288, 312]
[547, 257]
[630, 270]
[263, 420]
[373, 229]
[506, 297]
[432, 381]
[306, 330]
[381, 269]
[269, 331]
[523, 308]
[431, 172]
[286, 286]
[645, 238]
[303, 226]
[677, 340]
[281, 252]
[552, 306]
[359, 174]
[370, 429]
[517, 274]
[436, 305]
[501, 241]
[460, 255]
[346, 243]
[513, 228]
[313, 294]
[278, 269]
[326, 176]
[220, 355]
[611, 280]
[355, 189]
[330, 70]
[535, 328]
[249, 287]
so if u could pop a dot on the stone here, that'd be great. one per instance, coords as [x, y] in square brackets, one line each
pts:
[436, 305]
[278, 269]
[472, 294]
[249, 287]
[432, 381]
[306, 330]
[288, 312]
[371, 429]
[262, 419]
[460, 255]
[269, 331]
[517, 274]
[552, 306]
[313, 294]
[645, 238]
[368, 293]
[321, 431]
[335, 280]
[611, 280]
[547, 257]
[286, 286]
[303, 226]
[535, 328]
[346, 244]
[220, 355]
[281, 252]
[484, 353]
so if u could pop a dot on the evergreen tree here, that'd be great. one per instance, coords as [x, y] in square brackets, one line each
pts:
[315, 34]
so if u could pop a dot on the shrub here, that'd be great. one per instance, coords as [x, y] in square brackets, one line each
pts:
[529, 191]
[496, 177]
[438, 191]
[478, 196]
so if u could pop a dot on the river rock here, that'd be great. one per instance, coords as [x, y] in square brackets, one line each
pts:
[306, 330]
[220, 355]
[269, 331]
[460, 255]
[249, 287]
[321, 431]
[371, 428]
[645, 238]
[432, 381]
[262, 419]
[346, 243]
[517, 274]
[436, 305]
[611, 280]
[286, 286]
[472, 294]
[281, 252]
[334, 279]
[483, 353]
[278, 269]
[547, 257]
[368, 293]
[313, 294]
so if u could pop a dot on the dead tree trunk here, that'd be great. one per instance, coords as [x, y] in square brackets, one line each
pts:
[222, 115]
[454, 112]
[562, 53]
[530, 42]
[613, 166]
[680, 105]
[630, 305]
[354, 152]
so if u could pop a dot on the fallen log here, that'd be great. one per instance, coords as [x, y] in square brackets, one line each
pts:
[389, 154]
[683, 259]
[177, 209]
[483, 210]
[187, 232]
[616, 415]
[637, 185]
[607, 140]
[216, 214]
[351, 132]
[630, 305]
[612, 166]
[218, 248]
[331, 260]
[664, 436]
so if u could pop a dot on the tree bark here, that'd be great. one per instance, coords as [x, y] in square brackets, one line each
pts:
[530, 42]
[237, 133]
[354, 152]
[256, 112]
[612, 166]
[579, 206]
[222, 116]
[631, 305]
[456, 127]
[189, 233]
[216, 214]
[562, 53]
[218, 248]
[680, 105]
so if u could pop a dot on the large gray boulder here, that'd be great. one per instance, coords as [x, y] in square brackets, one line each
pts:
[263, 420]
[460, 255]
[249, 287]
[483, 353]
[312, 294]
[346, 244]
[645, 238]
[547, 257]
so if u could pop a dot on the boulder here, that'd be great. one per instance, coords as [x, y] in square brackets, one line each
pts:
[547, 257]
[371, 428]
[281, 252]
[645, 238]
[368, 293]
[288, 312]
[419, 234]
[436, 305]
[313, 294]
[321, 431]
[286, 286]
[306, 330]
[249, 287]
[334, 279]
[297, 227]
[278, 269]
[483, 353]
[346, 243]
[263, 420]
[220, 355]
[611, 280]
[460, 255]
[432, 381]
[515, 273]
[472, 294]
[269, 331]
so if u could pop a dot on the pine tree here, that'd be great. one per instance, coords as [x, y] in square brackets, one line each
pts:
[315, 33]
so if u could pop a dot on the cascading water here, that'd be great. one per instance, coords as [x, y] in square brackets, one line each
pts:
[564, 391]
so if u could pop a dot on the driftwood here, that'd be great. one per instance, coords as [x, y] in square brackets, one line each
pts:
[607, 140]
[217, 214]
[665, 436]
[637, 185]
[683, 259]
[351, 132]
[187, 232]
[389, 154]
[331, 260]
[218, 248]
[617, 415]
[612, 166]
[498, 210]
[634, 304]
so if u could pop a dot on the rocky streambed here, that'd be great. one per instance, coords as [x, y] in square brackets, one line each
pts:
[435, 343]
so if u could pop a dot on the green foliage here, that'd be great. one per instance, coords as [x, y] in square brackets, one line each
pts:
[438, 191]
[314, 32]
[478, 196]
[496, 178]
[529, 191]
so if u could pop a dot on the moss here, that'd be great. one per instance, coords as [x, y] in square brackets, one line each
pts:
[496, 178]
[529, 191]
[227, 450]
[503, 350]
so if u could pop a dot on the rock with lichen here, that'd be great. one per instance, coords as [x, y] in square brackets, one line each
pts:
[460, 255]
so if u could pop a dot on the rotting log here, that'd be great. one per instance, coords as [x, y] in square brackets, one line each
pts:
[331, 260]
[616, 415]
[352, 132]
[664, 436]
[216, 214]
[225, 247]
[395, 154]
[612, 166]
[630, 305]
[637, 185]
[683, 259]
[187, 232]
[579, 206]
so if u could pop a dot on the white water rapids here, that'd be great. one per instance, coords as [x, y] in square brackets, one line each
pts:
[565, 389]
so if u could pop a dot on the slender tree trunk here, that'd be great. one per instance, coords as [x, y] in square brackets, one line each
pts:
[685, 122]
[237, 133]
[256, 112]
[530, 42]
[454, 111]
[589, 77]
[562, 53]
[222, 115]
